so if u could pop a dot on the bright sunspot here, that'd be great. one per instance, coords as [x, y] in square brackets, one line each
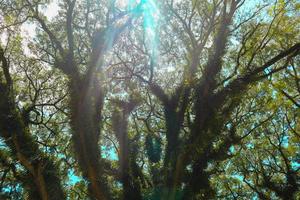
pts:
[151, 15]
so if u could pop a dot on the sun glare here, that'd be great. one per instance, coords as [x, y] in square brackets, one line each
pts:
[150, 14]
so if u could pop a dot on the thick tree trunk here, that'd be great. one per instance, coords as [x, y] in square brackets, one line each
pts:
[130, 181]
[198, 181]
[86, 105]
[173, 126]
[127, 156]
[42, 178]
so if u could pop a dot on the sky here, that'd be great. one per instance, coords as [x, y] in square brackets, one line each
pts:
[51, 11]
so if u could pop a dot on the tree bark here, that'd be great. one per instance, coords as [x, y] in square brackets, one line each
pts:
[127, 158]
[86, 101]
[14, 129]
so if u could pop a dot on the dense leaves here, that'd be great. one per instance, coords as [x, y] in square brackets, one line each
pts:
[172, 100]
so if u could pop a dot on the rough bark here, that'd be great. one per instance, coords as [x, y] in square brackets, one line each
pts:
[14, 129]
[127, 157]
[86, 105]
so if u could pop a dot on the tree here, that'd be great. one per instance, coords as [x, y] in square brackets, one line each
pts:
[150, 100]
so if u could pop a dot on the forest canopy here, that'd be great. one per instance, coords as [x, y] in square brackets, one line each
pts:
[149, 99]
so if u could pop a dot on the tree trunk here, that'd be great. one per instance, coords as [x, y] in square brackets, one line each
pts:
[127, 159]
[172, 181]
[86, 105]
[39, 167]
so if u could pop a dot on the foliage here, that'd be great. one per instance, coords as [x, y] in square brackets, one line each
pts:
[149, 99]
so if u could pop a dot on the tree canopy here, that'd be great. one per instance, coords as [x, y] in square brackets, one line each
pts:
[149, 99]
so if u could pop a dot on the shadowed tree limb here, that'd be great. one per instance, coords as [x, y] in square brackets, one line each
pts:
[16, 134]
[127, 159]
